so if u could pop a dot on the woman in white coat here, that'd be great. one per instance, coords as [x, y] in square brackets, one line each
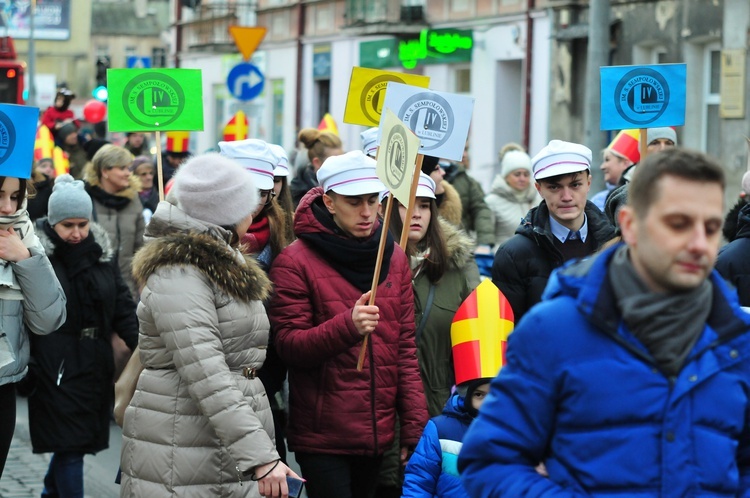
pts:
[31, 299]
[513, 194]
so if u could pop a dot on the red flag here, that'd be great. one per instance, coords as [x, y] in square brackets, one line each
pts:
[236, 128]
[43, 143]
[479, 333]
[328, 124]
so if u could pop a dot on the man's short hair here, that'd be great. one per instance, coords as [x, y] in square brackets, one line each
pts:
[681, 163]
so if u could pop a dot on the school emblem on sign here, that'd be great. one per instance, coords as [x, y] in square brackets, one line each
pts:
[642, 96]
[373, 96]
[430, 117]
[7, 137]
[153, 99]
[396, 154]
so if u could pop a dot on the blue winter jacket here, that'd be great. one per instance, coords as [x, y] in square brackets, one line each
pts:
[582, 395]
[432, 469]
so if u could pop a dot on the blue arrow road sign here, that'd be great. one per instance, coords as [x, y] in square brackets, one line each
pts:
[245, 81]
[138, 62]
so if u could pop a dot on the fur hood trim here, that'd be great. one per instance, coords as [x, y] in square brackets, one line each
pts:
[100, 235]
[213, 258]
[131, 192]
[459, 245]
[451, 208]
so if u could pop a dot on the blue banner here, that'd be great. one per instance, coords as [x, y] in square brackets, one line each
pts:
[17, 134]
[642, 96]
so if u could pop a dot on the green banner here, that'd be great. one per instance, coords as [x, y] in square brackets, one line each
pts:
[154, 100]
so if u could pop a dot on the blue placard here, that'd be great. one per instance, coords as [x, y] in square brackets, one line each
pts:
[245, 81]
[642, 96]
[138, 62]
[17, 134]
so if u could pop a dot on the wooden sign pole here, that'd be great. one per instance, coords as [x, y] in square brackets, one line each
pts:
[376, 276]
[643, 144]
[159, 170]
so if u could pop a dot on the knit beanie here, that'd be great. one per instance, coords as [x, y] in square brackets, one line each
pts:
[68, 200]
[746, 183]
[215, 189]
[429, 163]
[513, 160]
[665, 132]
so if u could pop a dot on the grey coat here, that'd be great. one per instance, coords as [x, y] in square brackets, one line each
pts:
[124, 226]
[41, 311]
[195, 423]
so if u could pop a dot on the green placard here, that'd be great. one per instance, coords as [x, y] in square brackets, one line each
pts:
[155, 100]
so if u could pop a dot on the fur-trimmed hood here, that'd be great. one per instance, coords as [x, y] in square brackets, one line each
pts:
[459, 245]
[100, 236]
[451, 208]
[183, 243]
[131, 192]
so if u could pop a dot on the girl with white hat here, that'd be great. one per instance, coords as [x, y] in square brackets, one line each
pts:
[268, 235]
[443, 274]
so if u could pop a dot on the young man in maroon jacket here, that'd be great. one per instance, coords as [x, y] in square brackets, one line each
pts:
[342, 420]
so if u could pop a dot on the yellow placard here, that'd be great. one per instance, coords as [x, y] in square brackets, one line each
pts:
[397, 157]
[247, 38]
[366, 97]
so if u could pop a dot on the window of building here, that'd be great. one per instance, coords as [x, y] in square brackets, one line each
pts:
[462, 80]
[158, 57]
[280, 24]
[459, 5]
[711, 99]
[322, 97]
[659, 55]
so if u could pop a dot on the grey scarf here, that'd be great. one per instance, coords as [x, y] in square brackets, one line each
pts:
[668, 325]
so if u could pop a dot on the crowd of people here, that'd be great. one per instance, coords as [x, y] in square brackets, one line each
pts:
[243, 301]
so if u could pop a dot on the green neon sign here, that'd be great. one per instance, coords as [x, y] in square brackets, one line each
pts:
[436, 46]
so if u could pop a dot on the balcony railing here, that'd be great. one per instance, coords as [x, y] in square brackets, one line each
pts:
[384, 16]
[207, 26]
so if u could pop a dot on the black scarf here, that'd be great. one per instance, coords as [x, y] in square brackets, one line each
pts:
[668, 325]
[116, 202]
[354, 259]
[84, 304]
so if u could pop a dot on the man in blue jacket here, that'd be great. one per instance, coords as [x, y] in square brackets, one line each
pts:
[632, 376]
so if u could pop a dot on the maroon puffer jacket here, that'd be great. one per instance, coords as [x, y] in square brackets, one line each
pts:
[333, 407]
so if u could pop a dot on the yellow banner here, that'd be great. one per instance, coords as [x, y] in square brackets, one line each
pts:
[397, 157]
[366, 97]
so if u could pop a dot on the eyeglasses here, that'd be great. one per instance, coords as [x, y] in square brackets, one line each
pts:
[266, 196]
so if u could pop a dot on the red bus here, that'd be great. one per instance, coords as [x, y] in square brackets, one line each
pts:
[11, 73]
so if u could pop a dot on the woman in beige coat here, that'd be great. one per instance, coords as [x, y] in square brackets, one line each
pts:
[199, 423]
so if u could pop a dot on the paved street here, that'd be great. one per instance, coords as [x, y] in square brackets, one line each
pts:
[24, 471]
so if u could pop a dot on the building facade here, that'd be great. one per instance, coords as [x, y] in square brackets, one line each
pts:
[524, 62]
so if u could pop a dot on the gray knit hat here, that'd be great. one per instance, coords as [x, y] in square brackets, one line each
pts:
[68, 200]
[215, 189]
